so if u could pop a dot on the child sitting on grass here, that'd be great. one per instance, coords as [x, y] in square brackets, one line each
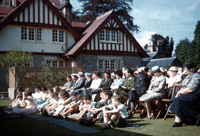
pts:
[61, 103]
[97, 113]
[14, 103]
[29, 107]
[20, 103]
[72, 107]
[48, 100]
[51, 107]
[84, 108]
[114, 114]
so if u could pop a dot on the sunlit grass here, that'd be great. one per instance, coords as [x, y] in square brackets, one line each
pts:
[27, 126]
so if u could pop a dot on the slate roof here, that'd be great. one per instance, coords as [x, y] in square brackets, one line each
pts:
[163, 62]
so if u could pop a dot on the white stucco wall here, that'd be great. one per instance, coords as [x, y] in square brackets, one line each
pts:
[71, 39]
[10, 38]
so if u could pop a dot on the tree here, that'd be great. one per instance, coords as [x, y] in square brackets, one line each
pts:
[50, 76]
[189, 51]
[15, 58]
[182, 50]
[171, 46]
[196, 45]
[93, 8]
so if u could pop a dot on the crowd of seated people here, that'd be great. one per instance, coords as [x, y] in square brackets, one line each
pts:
[112, 97]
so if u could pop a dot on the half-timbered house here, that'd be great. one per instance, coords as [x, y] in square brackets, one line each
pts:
[106, 44]
[45, 28]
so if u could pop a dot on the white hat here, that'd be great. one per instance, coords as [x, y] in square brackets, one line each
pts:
[173, 68]
[73, 74]
[113, 74]
[162, 69]
[155, 69]
[80, 73]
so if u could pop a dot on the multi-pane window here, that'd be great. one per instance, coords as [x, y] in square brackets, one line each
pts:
[110, 36]
[31, 34]
[102, 35]
[58, 36]
[100, 64]
[109, 64]
[107, 35]
[112, 65]
[55, 35]
[55, 63]
[113, 35]
[24, 33]
[61, 63]
[48, 62]
[5, 2]
[61, 36]
[1, 2]
[38, 34]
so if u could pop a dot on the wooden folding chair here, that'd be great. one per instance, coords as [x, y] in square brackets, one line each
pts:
[176, 88]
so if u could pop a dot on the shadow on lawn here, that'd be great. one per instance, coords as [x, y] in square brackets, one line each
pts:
[31, 127]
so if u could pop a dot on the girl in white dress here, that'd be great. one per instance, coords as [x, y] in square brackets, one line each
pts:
[38, 96]
[30, 106]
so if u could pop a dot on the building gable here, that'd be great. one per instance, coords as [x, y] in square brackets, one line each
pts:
[40, 13]
[117, 39]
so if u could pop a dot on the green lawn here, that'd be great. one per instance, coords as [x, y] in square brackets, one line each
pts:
[31, 127]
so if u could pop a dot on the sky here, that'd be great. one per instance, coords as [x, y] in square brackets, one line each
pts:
[176, 18]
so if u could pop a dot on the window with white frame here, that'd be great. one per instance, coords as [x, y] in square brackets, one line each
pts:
[31, 34]
[107, 35]
[58, 36]
[38, 34]
[24, 33]
[61, 63]
[101, 64]
[102, 35]
[56, 63]
[112, 65]
[110, 36]
[109, 64]
[5, 2]
[113, 35]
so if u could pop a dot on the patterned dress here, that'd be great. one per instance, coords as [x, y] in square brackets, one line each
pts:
[187, 106]
[156, 89]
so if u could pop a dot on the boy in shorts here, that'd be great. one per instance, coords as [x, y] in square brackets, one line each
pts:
[114, 114]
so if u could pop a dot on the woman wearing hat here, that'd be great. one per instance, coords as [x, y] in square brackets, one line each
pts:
[186, 105]
[155, 90]
[173, 79]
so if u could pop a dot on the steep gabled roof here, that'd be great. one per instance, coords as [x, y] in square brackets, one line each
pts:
[10, 17]
[95, 27]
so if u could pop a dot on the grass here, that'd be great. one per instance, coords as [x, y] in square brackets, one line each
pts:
[31, 127]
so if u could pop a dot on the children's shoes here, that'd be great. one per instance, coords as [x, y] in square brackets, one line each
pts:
[105, 126]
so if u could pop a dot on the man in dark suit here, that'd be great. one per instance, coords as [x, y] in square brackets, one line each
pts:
[140, 87]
